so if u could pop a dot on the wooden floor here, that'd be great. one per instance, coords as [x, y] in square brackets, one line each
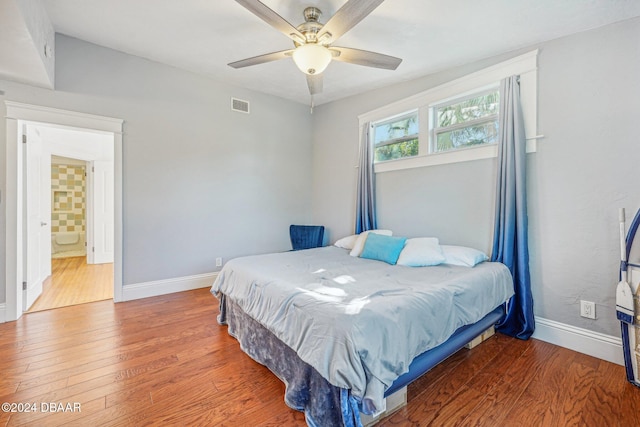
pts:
[73, 281]
[165, 361]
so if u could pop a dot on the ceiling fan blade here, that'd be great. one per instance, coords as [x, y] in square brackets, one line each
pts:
[272, 18]
[366, 58]
[261, 59]
[346, 18]
[314, 82]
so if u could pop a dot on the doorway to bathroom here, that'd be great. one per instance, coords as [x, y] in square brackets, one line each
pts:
[27, 230]
[70, 183]
[79, 210]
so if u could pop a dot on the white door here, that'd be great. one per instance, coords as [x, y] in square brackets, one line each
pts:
[37, 216]
[102, 211]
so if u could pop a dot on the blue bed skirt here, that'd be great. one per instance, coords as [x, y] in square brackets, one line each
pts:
[306, 390]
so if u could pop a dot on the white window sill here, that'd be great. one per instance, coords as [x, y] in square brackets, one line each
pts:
[462, 155]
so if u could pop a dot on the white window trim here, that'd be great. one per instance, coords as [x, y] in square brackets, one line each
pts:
[391, 119]
[524, 65]
[391, 141]
[433, 130]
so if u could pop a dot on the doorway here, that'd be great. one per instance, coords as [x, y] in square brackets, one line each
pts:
[18, 249]
[77, 212]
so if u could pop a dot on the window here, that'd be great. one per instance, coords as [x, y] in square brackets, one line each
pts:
[465, 122]
[396, 137]
[454, 122]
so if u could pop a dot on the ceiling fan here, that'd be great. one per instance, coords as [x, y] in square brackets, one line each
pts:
[312, 40]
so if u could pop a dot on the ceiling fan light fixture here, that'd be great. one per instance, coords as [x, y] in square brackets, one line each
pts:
[312, 58]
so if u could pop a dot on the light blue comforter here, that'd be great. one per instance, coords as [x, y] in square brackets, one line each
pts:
[360, 322]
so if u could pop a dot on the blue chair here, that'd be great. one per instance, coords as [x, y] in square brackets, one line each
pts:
[306, 236]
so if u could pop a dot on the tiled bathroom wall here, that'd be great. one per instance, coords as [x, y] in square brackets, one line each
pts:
[68, 198]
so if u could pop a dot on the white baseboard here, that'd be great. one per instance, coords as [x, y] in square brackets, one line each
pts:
[167, 286]
[592, 343]
[3, 312]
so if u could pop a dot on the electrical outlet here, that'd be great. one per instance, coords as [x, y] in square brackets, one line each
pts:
[588, 309]
[218, 262]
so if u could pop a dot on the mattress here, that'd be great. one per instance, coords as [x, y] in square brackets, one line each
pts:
[360, 322]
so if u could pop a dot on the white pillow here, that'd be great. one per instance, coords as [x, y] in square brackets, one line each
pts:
[421, 252]
[461, 255]
[347, 242]
[362, 237]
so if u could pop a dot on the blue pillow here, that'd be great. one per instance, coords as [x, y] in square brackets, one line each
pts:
[383, 248]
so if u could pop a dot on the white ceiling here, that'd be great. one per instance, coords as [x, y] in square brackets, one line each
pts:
[203, 36]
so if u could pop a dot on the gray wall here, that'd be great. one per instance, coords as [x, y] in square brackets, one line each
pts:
[200, 181]
[432, 210]
[584, 170]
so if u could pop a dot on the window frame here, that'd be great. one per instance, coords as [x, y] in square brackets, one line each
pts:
[489, 78]
[434, 130]
[392, 141]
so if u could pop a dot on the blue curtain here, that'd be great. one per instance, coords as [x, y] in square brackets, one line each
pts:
[365, 204]
[510, 240]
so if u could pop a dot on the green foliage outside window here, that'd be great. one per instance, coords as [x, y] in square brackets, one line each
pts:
[397, 151]
[397, 138]
[468, 137]
[481, 114]
[460, 123]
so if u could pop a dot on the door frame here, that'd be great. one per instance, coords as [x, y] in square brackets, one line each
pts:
[17, 113]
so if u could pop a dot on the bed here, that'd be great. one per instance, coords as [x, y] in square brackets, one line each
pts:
[343, 332]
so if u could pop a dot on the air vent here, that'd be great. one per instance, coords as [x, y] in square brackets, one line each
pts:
[239, 105]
